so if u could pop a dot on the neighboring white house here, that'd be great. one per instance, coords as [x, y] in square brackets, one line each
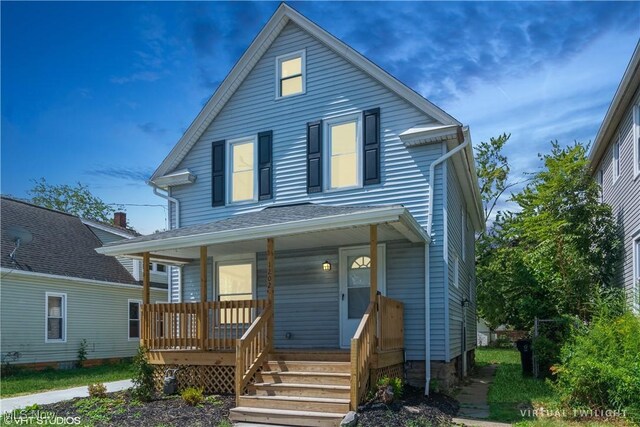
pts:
[615, 164]
[55, 290]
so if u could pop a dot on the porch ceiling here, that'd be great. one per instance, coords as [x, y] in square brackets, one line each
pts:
[293, 227]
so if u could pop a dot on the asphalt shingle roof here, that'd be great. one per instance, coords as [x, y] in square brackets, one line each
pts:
[268, 216]
[61, 245]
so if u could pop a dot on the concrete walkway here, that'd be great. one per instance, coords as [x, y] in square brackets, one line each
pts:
[53, 396]
[474, 409]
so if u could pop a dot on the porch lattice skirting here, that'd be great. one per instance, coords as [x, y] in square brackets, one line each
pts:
[213, 379]
[392, 371]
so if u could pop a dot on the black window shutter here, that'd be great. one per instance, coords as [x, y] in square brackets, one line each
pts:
[217, 173]
[265, 165]
[371, 158]
[314, 157]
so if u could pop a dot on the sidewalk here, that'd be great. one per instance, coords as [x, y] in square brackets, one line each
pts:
[53, 396]
[474, 409]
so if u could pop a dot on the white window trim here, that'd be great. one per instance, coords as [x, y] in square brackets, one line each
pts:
[636, 141]
[326, 168]
[154, 268]
[281, 58]
[229, 171]
[456, 271]
[234, 260]
[600, 182]
[464, 235]
[129, 338]
[635, 272]
[615, 159]
[46, 317]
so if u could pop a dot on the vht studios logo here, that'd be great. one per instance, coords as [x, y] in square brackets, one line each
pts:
[37, 417]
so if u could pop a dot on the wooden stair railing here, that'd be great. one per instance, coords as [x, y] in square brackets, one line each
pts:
[363, 346]
[252, 350]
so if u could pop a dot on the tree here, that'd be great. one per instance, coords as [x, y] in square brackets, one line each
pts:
[76, 200]
[557, 254]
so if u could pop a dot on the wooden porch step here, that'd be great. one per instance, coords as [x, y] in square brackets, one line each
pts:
[285, 417]
[308, 390]
[312, 355]
[306, 366]
[296, 403]
[330, 378]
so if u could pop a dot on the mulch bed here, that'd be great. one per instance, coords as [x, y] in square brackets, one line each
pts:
[413, 409]
[121, 410]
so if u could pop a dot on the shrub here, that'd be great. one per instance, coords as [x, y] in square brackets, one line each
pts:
[600, 367]
[395, 383]
[82, 353]
[192, 396]
[97, 390]
[143, 384]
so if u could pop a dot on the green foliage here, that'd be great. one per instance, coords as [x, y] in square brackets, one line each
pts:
[100, 410]
[396, 384]
[548, 344]
[97, 390]
[82, 353]
[493, 169]
[143, 384]
[213, 400]
[555, 256]
[76, 200]
[600, 367]
[192, 396]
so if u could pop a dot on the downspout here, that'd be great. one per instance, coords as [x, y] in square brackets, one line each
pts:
[176, 203]
[432, 174]
[427, 279]
[427, 320]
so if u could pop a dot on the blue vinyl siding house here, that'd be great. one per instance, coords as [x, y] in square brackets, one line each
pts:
[310, 149]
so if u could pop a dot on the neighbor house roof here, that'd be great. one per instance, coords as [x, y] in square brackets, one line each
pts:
[61, 245]
[621, 100]
[272, 221]
[283, 15]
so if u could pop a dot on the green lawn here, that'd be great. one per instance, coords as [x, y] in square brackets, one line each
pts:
[26, 382]
[510, 393]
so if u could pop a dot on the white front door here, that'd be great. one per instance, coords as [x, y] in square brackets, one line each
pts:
[355, 280]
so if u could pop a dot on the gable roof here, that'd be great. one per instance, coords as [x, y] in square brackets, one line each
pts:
[617, 109]
[62, 245]
[283, 15]
[110, 228]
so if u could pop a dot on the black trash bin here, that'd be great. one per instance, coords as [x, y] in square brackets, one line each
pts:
[526, 356]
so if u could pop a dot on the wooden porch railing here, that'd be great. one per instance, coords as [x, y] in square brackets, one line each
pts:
[381, 328]
[252, 349]
[363, 345]
[390, 324]
[213, 325]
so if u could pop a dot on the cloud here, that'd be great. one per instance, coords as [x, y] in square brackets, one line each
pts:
[151, 128]
[145, 76]
[123, 173]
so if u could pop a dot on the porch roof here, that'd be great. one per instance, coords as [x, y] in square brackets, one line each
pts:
[329, 224]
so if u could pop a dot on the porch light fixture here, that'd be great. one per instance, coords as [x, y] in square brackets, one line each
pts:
[326, 266]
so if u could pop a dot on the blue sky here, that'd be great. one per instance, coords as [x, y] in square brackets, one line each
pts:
[100, 92]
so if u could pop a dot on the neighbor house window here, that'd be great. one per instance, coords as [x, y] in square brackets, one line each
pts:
[456, 271]
[242, 170]
[344, 146]
[600, 181]
[464, 235]
[134, 319]
[636, 140]
[157, 268]
[56, 313]
[235, 282]
[290, 71]
[616, 159]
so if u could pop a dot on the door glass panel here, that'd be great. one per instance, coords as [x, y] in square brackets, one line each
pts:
[358, 279]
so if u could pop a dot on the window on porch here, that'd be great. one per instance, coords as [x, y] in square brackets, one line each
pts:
[235, 282]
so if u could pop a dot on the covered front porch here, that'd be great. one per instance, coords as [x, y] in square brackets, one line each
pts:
[228, 339]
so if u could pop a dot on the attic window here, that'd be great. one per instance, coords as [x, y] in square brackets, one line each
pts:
[290, 71]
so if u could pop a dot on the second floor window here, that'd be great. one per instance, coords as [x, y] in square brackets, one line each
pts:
[242, 171]
[344, 147]
[616, 159]
[291, 74]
